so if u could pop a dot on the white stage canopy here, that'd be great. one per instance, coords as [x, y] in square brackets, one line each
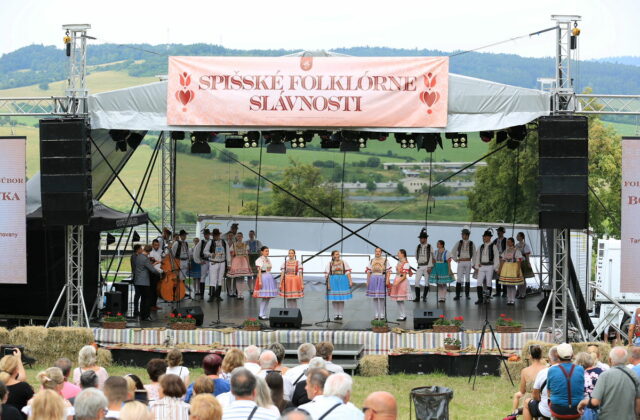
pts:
[474, 105]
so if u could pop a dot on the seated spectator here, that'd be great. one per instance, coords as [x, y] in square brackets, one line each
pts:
[617, 392]
[69, 390]
[268, 363]
[91, 404]
[170, 404]
[47, 405]
[50, 379]
[538, 405]
[115, 389]
[324, 349]
[140, 390]
[87, 360]
[205, 407]
[202, 385]
[211, 366]
[276, 385]
[155, 369]
[233, 358]
[14, 377]
[594, 349]
[88, 379]
[316, 378]
[279, 351]
[296, 414]
[174, 365]
[528, 377]
[243, 389]
[135, 410]
[334, 403]
[8, 412]
[380, 406]
[306, 352]
[252, 356]
[591, 372]
[299, 396]
[263, 397]
[566, 384]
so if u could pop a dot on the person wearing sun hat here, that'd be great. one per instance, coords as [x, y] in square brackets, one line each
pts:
[486, 263]
[566, 384]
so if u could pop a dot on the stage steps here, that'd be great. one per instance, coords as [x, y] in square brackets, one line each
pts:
[344, 355]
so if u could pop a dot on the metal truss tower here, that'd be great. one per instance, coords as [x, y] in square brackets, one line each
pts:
[168, 182]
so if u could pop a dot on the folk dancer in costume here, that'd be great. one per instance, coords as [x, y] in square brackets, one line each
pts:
[239, 263]
[164, 240]
[216, 254]
[441, 273]
[501, 243]
[510, 270]
[199, 258]
[265, 287]
[425, 263]
[486, 262]
[253, 246]
[155, 256]
[339, 283]
[195, 271]
[463, 253]
[230, 283]
[180, 251]
[291, 280]
[527, 270]
[378, 271]
[400, 288]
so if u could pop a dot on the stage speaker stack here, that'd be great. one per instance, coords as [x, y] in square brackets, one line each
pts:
[563, 172]
[423, 319]
[115, 303]
[65, 171]
[285, 318]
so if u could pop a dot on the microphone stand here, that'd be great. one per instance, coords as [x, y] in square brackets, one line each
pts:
[284, 284]
[328, 319]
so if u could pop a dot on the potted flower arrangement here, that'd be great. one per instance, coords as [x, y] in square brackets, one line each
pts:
[443, 324]
[451, 343]
[114, 322]
[180, 322]
[379, 326]
[508, 325]
[251, 324]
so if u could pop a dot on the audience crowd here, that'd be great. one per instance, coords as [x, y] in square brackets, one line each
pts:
[243, 385]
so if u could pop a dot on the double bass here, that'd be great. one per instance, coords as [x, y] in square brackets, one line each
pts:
[170, 287]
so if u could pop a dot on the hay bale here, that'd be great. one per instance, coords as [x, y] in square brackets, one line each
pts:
[49, 344]
[514, 369]
[104, 357]
[34, 340]
[374, 365]
[4, 336]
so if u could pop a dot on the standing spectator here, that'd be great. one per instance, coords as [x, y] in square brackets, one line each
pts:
[233, 358]
[8, 412]
[243, 389]
[316, 378]
[324, 349]
[116, 390]
[306, 352]
[528, 376]
[155, 369]
[170, 404]
[278, 349]
[634, 360]
[380, 406]
[334, 403]
[268, 363]
[69, 390]
[90, 404]
[174, 362]
[205, 407]
[14, 377]
[300, 392]
[276, 385]
[47, 405]
[135, 410]
[591, 372]
[617, 392]
[211, 366]
[252, 356]
[566, 384]
[538, 405]
[594, 349]
[87, 360]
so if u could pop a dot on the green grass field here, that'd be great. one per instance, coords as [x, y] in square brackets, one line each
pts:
[490, 400]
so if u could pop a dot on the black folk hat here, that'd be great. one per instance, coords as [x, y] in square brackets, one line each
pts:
[487, 233]
[423, 234]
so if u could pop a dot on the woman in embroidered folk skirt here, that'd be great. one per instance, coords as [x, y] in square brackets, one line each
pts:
[527, 270]
[378, 272]
[400, 287]
[338, 276]
[265, 287]
[511, 270]
[239, 263]
[441, 272]
[291, 285]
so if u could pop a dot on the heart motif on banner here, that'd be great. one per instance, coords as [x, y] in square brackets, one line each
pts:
[184, 96]
[429, 98]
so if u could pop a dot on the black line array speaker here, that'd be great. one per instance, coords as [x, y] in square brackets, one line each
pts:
[423, 319]
[563, 172]
[65, 171]
[285, 318]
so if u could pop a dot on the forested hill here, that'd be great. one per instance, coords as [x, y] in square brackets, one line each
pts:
[38, 64]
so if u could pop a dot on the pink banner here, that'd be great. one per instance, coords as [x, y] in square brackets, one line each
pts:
[308, 91]
[630, 212]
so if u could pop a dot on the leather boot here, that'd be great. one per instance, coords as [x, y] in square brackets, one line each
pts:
[417, 298]
[424, 294]
[218, 291]
[211, 294]
[490, 290]
[498, 289]
[467, 290]
[479, 291]
[458, 291]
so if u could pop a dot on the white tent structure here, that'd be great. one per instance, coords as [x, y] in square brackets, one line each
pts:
[474, 105]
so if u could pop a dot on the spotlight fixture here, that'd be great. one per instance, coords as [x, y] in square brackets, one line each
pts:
[300, 140]
[429, 141]
[136, 236]
[501, 136]
[120, 137]
[406, 140]
[251, 139]
[352, 141]
[329, 141]
[134, 139]
[486, 136]
[200, 142]
[377, 136]
[517, 133]
[458, 140]
[177, 135]
[275, 142]
[110, 239]
[234, 141]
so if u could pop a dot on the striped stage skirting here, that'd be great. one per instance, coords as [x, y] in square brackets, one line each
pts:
[374, 343]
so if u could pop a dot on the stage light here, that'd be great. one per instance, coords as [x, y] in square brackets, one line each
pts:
[110, 239]
[251, 139]
[352, 141]
[276, 148]
[300, 140]
[486, 136]
[200, 142]
[429, 141]
[377, 136]
[177, 135]
[120, 137]
[234, 142]
[458, 140]
[501, 136]
[134, 140]
[517, 133]
[136, 236]
[329, 141]
[275, 141]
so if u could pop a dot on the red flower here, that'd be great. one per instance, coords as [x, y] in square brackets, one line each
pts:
[441, 316]
[461, 318]
[172, 315]
[189, 316]
[179, 315]
[252, 319]
[502, 315]
[108, 313]
[508, 319]
[119, 314]
[448, 335]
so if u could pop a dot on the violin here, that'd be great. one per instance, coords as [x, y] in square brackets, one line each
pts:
[171, 288]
